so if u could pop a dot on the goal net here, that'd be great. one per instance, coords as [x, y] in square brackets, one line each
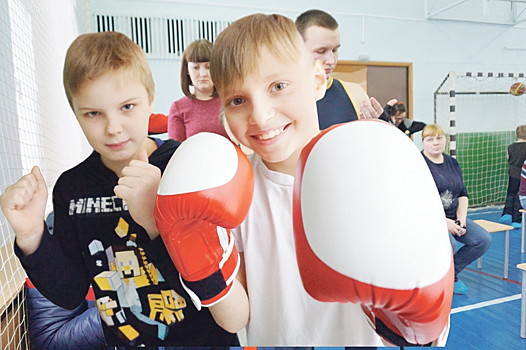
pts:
[480, 116]
[37, 126]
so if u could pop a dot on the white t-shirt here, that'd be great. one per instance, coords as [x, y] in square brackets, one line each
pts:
[281, 311]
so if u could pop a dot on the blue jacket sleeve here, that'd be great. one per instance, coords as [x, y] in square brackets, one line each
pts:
[53, 328]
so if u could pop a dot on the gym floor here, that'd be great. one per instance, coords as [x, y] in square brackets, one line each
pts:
[488, 317]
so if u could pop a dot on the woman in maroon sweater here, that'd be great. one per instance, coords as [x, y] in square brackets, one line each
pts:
[198, 111]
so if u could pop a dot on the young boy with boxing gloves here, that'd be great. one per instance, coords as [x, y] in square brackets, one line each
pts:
[269, 84]
[104, 229]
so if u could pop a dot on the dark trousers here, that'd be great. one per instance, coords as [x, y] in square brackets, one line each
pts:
[512, 204]
[476, 241]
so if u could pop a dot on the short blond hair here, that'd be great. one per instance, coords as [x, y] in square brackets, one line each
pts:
[432, 130]
[222, 116]
[92, 55]
[238, 47]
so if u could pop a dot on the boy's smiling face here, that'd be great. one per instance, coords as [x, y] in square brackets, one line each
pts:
[113, 112]
[273, 111]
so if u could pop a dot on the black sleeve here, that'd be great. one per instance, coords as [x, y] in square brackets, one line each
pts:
[57, 278]
[57, 267]
[386, 114]
[416, 127]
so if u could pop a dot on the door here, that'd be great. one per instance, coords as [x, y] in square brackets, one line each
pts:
[382, 80]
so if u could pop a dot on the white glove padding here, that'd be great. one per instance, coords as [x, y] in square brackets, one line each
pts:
[363, 238]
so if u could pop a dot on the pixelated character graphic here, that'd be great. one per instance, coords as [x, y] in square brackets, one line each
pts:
[165, 307]
[132, 296]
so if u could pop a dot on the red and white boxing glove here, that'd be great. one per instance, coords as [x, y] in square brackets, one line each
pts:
[157, 123]
[205, 191]
[369, 229]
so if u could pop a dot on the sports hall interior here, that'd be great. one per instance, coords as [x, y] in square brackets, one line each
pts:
[418, 51]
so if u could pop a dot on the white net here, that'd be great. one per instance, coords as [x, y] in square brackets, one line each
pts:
[37, 126]
[485, 117]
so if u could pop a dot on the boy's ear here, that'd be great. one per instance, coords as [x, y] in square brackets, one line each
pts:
[320, 80]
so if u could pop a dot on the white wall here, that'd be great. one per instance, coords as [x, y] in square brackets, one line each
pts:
[393, 31]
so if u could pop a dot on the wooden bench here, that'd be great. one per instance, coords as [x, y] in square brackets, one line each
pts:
[493, 227]
[523, 298]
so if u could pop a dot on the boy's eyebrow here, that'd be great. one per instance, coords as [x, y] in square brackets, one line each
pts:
[131, 99]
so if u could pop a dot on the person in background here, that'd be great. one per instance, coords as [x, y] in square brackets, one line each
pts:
[522, 187]
[197, 111]
[516, 157]
[450, 184]
[398, 113]
[343, 101]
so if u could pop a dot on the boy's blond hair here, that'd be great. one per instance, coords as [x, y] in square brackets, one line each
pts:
[198, 51]
[432, 130]
[520, 132]
[222, 116]
[93, 55]
[237, 49]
